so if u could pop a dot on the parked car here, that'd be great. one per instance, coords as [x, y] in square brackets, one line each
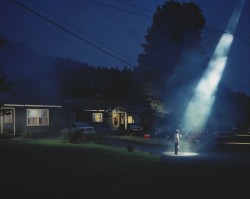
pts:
[82, 127]
[80, 131]
[135, 129]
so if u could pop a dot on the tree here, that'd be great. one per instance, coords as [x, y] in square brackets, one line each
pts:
[173, 57]
[229, 109]
[4, 86]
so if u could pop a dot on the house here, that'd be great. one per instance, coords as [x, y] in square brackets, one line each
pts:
[28, 119]
[106, 115]
[30, 115]
[39, 118]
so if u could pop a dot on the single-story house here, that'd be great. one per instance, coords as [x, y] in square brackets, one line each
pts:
[106, 115]
[38, 118]
[28, 119]
[32, 116]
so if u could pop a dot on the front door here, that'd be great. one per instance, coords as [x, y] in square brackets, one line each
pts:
[119, 119]
[8, 121]
[122, 121]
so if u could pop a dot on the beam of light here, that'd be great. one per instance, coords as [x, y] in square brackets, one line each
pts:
[199, 108]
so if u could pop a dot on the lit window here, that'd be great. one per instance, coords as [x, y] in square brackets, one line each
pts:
[97, 117]
[37, 117]
[130, 119]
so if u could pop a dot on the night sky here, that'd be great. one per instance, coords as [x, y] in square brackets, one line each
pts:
[110, 32]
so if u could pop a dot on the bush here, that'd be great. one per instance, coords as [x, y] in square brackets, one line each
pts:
[5, 135]
[65, 134]
[130, 147]
[77, 136]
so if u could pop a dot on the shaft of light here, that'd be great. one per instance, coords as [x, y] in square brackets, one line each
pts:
[199, 108]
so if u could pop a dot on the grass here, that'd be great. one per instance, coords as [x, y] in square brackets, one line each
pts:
[137, 139]
[54, 166]
[53, 169]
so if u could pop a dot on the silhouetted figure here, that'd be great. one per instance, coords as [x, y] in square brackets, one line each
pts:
[176, 141]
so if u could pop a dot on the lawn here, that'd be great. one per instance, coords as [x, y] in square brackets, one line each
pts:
[53, 169]
[57, 168]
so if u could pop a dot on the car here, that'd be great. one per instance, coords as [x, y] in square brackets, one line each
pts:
[81, 131]
[82, 127]
[135, 129]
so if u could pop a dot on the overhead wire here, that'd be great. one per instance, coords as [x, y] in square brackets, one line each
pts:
[206, 28]
[133, 5]
[79, 30]
[142, 65]
[80, 38]
[238, 36]
[82, 32]
[123, 10]
[70, 32]
[66, 39]
[121, 24]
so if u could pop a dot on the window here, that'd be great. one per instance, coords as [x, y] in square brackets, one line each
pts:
[116, 120]
[97, 117]
[37, 117]
[122, 118]
[130, 119]
[8, 117]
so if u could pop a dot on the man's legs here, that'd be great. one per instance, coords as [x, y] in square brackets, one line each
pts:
[176, 148]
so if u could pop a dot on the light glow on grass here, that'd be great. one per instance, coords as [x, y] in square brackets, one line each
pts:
[180, 154]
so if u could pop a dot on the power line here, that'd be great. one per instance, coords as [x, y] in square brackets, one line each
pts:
[123, 10]
[80, 38]
[70, 32]
[130, 31]
[84, 40]
[133, 5]
[80, 31]
[209, 28]
[238, 36]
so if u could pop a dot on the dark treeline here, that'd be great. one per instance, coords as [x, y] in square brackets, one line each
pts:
[80, 80]
[83, 81]
[230, 108]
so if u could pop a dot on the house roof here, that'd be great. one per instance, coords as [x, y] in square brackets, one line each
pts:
[31, 99]
[101, 104]
[32, 105]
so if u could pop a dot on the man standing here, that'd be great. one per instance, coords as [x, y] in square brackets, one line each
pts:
[176, 141]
